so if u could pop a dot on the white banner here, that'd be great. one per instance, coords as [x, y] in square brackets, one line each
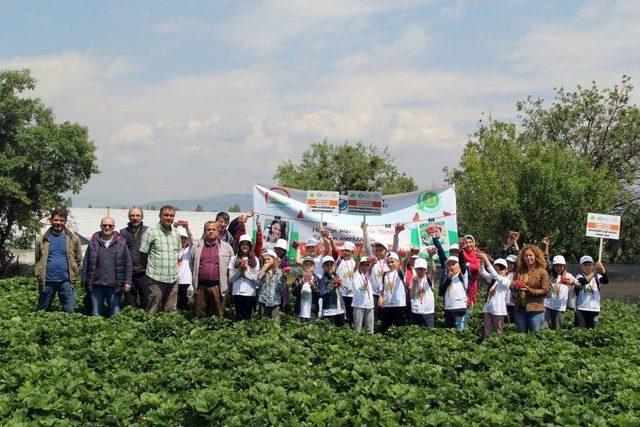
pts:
[283, 214]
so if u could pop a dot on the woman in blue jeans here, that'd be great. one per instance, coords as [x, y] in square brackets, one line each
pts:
[531, 286]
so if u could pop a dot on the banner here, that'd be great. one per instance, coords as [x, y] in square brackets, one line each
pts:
[283, 213]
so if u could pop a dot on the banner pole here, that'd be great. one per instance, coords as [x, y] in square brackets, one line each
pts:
[600, 251]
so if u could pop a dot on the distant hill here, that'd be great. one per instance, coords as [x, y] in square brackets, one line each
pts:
[214, 203]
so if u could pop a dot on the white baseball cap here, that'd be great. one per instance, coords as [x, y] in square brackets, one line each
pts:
[348, 246]
[469, 236]
[282, 244]
[500, 261]
[270, 252]
[327, 258]
[454, 247]
[420, 263]
[392, 255]
[512, 258]
[311, 242]
[559, 260]
[380, 244]
[245, 238]
[586, 258]
[308, 259]
[183, 232]
[452, 259]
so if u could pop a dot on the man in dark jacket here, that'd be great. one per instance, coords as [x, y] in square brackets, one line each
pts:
[106, 269]
[133, 236]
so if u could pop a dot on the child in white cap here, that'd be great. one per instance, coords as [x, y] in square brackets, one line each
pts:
[311, 247]
[243, 275]
[562, 283]
[305, 289]
[328, 288]
[456, 288]
[393, 296]
[421, 293]
[495, 308]
[269, 286]
[345, 269]
[588, 288]
[363, 297]
[184, 268]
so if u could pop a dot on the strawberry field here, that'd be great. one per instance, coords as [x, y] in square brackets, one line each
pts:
[140, 369]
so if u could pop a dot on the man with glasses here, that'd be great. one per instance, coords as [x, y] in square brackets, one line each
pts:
[106, 269]
[58, 257]
[133, 232]
[159, 252]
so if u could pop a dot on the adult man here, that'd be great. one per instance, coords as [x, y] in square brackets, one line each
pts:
[159, 250]
[133, 236]
[209, 261]
[58, 257]
[106, 269]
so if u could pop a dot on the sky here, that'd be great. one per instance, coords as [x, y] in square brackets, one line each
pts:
[188, 99]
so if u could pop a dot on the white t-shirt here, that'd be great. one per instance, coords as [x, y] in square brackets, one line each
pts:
[375, 278]
[497, 303]
[558, 295]
[184, 270]
[246, 284]
[362, 291]
[319, 272]
[395, 294]
[306, 298]
[345, 272]
[589, 295]
[423, 300]
[455, 298]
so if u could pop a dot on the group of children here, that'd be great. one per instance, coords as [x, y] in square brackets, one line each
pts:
[361, 283]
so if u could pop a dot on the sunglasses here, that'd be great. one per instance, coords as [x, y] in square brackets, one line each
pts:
[107, 225]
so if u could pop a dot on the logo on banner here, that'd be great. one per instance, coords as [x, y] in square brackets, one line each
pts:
[270, 199]
[428, 201]
[344, 203]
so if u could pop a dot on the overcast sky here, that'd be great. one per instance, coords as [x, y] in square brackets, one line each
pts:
[190, 99]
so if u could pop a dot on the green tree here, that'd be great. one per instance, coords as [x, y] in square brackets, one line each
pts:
[199, 208]
[536, 188]
[603, 126]
[234, 208]
[39, 160]
[345, 167]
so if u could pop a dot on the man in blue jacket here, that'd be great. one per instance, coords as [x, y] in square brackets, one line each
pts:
[106, 269]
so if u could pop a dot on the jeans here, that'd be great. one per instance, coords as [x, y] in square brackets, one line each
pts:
[138, 292]
[101, 295]
[423, 320]
[65, 292]
[348, 309]
[554, 319]
[363, 316]
[272, 312]
[183, 299]
[244, 306]
[587, 319]
[391, 316]
[492, 324]
[455, 318]
[531, 321]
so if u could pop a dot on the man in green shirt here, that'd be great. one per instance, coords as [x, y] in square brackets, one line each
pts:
[159, 251]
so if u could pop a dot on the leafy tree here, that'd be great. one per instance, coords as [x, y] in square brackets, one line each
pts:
[199, 208]
[603, 126]
[345, 167]
[537, 188]
[234, 208]
[39, 160]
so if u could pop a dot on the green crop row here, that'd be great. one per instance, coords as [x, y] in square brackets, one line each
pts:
[141, 369]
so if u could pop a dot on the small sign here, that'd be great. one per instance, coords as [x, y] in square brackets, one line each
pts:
[365, 203]
[323, 201]
[603, 226]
